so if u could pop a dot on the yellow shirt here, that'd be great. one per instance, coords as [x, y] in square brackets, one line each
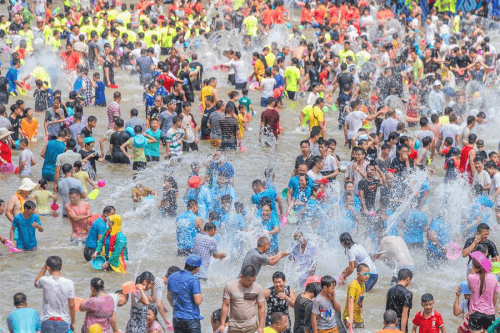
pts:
[124, 17]
[241, 124]
[82, 176]
[206, 91]
[251, 24]
[315, 117]
[270, 58]
[259, 69]
[42, 200]
[357, 292]
[269, 330]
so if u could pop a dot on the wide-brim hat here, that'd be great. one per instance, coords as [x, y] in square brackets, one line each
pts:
[4, 132]
[27, 185]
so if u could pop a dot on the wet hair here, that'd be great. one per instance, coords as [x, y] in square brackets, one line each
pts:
[153, 309]
[276, 317]
[426, 141]
[43, 183]
[73, 191]
[424, 121]
[29, 205]
[54, 263]
[145, 276]
[108, 209]
[390, 317]
[209, 226]
[305, 142]
[314, 288]
[327, 281]
[472, 138]
[482, 226]
[427, 298]
[70, 144]
[262, 241]
[483, 248]
[171, 270]
[361, 267]
[191, 203]
[345, 238]
[20, 299]
[404, 273]
[97, 284]
[67, 168]
[482, 274]
[279, 275]
[217, 314]
[248, 271]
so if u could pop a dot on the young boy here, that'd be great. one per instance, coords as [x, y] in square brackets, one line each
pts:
[353, 317]
[462, 307]
[152, 149]
[428, 321]
[26, 158]
[23, 319]
[78, 212]
[325, 306]
[91, 123]
[246, 101]
[26, 223]
[175, 136]
[481, 177]
[206, 247]
[138, 144]
[480, 150]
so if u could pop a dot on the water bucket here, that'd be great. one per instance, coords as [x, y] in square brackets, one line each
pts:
[129, 287]
[101, 183]
[453, 250]
[98, 262]
[93, 195]
[253, 85]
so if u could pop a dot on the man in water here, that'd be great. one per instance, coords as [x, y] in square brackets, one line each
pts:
[257, 257]
[15, 204]
[483, 232]
[400, 299]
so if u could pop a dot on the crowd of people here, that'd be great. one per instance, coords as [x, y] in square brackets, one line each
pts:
[407, 90]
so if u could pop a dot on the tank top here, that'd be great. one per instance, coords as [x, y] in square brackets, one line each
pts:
[206, 91]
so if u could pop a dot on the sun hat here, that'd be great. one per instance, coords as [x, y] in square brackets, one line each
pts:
[4, 132]
[27, 185]
[464, 288]
[482, 260]
[194, 260]
[195, 181]
[437, 83]
[140, 141]
[312, 279]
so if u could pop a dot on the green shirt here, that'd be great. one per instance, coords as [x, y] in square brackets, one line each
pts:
[139, 155]
[251, 24]
[153, 149]
[292, 76]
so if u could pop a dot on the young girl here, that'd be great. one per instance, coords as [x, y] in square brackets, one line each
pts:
[5, 151]
[168, 205]
[82, 176]
[42, 198]
[141, 298]
[100, 96]
[89, 157]
[41, 97]
[29, 125]
[152, 322]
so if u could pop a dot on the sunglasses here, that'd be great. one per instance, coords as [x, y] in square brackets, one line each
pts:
[366, 274]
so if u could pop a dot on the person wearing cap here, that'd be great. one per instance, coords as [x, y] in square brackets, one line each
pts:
[184, 295]
[462, 307]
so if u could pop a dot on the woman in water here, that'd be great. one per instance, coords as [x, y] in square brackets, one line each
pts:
[272, 225]
[141, 298]
[113, 246]
[279, 297]
[357, 255]
[99, 307]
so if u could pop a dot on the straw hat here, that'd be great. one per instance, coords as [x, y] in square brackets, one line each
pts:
[27, 185]
[4, 132]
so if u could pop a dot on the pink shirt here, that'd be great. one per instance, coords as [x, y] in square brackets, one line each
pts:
[99, 311]
[155, 326]
[482, 303]
[81, 228]
[113, 111]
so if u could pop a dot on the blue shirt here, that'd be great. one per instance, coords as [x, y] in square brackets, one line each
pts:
[214, 169]
[12, 77]
[204, 198]
[24, 320]
[98, 228]
[267, 193]
[294, 185]
[280, 81]
[218, 192]
[270, 225]
[27, 238]
[183, 285]
[438, 226]
[161, 92]
[185, 225]
[153, 149]
[100, 96]
[414, 222]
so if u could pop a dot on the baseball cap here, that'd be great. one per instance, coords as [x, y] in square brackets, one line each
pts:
[194, 260]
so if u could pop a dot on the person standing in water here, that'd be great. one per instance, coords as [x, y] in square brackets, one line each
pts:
[400, 299]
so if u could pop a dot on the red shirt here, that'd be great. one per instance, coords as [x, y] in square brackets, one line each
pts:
[168, 81]
[319, 14]
[5, 152]
[71, 60]
[270, 119]
[430, 324]
[267, 16]
[307, 16]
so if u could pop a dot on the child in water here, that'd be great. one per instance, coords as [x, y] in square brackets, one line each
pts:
[82, 176]
[41, 96]
[152, 320]
[168, 205]
[100, 96]
[424, 318]
[462, 307]
[42, 198]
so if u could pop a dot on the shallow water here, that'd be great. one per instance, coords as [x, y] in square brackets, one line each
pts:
[152, 242]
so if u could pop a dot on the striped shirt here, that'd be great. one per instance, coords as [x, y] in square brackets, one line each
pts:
[174, 138]
[204, 246]
[228, 128]
[113, 111]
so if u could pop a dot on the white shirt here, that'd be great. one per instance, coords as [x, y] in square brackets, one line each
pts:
[267, 85]
[358, 254]
[240, 74]
[495, 182]
[451, 131]
[311, 99]
[314, 176]
[56, 292]
[355, 121]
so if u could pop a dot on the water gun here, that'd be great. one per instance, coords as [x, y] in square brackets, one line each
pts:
[495, 268]
[493, 327]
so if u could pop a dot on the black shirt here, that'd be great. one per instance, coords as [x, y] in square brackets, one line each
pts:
[117, 139]
[344, 78]
[197, 82]
[231, 104]
[155, 112]
[16, 124]
[400, 166]
[370, 192]
[178, 100]
[228, 128]
[86, 132]
[397, 298]
[205, 130]
[492, 249]
[300, 160]
[300, 313]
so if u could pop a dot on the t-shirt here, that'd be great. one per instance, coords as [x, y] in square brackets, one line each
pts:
[355, 121]
[174, 138]
[64, 186]
[492, 249]
[183, 285]
[357, 292]
[450, 131]
[56, 292]
[26, 232]
[369, 188]
[267, 85]
[99, 311]
[117, 139]
[98, 228]
[292, 76]
[204, 246]
[325, 312]
[214, 119]
[153, 149]
[26, 156]
[256, 259]
[397, 298]
[246, 101]
[51, 115]
[68, 157]
[430, 324]
[358, 254]
[414, 222]
[134, 121]
[482, 303]
[24, 320]
[388, 125]
[228, 128]
[167, 121]
[271, 118]
[243, 303]
[316, 117]
[495, 183]
[113, 111]
[139, 155]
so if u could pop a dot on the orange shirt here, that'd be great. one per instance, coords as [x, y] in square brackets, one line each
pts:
[267, 16]
[278, 15]
[307, 16]
[334, 15]
[71, 59]
[319, 14]
[29, 128]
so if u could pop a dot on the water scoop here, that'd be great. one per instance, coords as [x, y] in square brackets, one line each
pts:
[495, 268]
[129, 287]
[101, 183]
[253, 85]
[54, 206]
[453, 250]
[243, 148]
[93, 195]
[284, 220]
[11, 246]
[16, 170]
[113, 86]
[98, 262]
[293, 218]
[200, 107]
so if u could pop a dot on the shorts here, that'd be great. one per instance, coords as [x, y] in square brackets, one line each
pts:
[184, 252]
[153, 158]
[478, 321]
[292, 95]
[187, 145]
[229, 146]
[163, 140]
[137, 166]
[231, 79]
[240, 86]
[334, 329]
[248, 329]
[87, 253]
[371, 283]
[215, 142]
[263, 102]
